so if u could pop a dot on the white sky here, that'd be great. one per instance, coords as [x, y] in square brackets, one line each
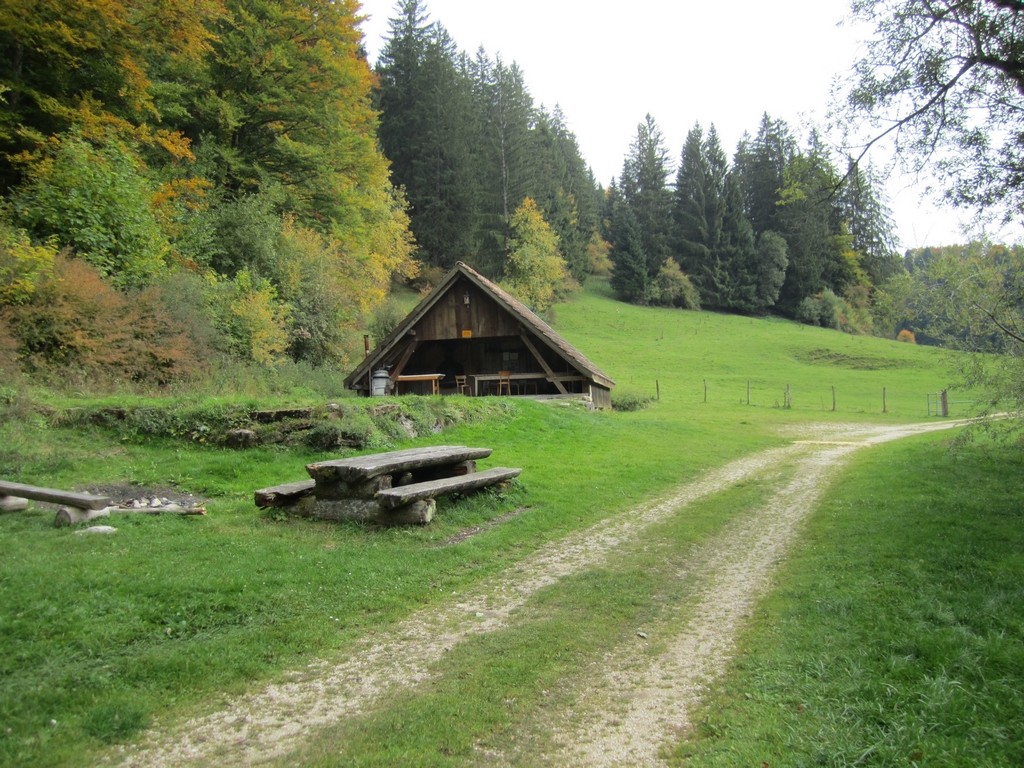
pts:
[683, 61]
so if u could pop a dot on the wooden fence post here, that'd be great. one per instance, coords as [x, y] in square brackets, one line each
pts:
[705, 390]
[885, 407]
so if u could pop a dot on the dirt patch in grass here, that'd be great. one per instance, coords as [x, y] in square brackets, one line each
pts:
[123, 494]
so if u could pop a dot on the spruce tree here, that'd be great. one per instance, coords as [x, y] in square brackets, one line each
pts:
[632, 279]
[426, 130]
[644, 189]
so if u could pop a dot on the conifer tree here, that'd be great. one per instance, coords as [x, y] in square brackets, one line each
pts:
[644, 189]
[632, 279]
[427, 131]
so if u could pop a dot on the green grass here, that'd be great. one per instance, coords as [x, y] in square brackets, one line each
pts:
[896, 634]
[102, 635]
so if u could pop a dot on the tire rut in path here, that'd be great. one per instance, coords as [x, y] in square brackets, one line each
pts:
[631, 710]
[270, 723]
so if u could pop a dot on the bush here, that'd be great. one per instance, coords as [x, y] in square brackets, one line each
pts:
[823, 309]
[96, 202]
[630, 402]
[385, 320]
[23, 266]
[78, 328]
[672, 288]
[906, 336]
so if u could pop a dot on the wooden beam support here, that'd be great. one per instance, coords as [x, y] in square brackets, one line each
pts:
[540, 360]
[400, 365]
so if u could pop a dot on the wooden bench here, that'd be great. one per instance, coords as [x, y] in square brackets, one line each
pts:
[284, 494]
[390, 498]
[393, 488]
[52, 496]
[77, 506]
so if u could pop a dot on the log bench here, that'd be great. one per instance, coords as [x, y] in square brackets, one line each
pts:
[392, 488]
[391, 498]
[77, 506]
[284, 494]
[52, 496]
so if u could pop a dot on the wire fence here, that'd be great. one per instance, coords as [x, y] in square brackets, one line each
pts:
[832, 398]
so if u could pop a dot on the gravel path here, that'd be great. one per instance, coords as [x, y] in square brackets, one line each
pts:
[651, 702]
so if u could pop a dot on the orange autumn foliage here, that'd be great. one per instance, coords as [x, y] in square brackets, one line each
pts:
[79, 327]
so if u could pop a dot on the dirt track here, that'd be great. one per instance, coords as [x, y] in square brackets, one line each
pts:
[653, 696]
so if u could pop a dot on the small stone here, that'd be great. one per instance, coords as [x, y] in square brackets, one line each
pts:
[100, 529]
[642, 635]
[241, 438]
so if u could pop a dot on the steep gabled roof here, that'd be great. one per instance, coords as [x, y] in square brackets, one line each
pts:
[540, 330]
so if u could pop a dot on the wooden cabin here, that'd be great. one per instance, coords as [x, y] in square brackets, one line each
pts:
[468, 336]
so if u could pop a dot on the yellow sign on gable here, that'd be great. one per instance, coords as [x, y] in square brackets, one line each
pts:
[467, 334]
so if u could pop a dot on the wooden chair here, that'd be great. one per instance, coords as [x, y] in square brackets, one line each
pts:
[461, 384]
[505, 382]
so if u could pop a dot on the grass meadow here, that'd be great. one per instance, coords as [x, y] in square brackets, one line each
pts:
[102, 636]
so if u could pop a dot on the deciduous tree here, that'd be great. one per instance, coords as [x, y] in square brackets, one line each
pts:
[535, 271]
[944, 80]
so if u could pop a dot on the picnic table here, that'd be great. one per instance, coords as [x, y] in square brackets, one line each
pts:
[394, 488]
[433, 378]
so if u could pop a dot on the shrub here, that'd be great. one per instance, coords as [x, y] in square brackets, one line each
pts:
[79, 327]
[630, 402]
[96, 202]
[246, 309]
[385, 320]
[907, 336]
[672, 288]
[823, 309]
[23, 266]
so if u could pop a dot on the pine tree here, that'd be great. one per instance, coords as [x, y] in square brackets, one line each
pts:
[427, 130]
[699, 208]
[863, 208]
[631, 279]
[809, 222]
[644, 189]
[744, 290]
[761, 163]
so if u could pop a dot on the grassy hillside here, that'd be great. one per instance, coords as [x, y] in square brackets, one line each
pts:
[646, 348]
[99, 636]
